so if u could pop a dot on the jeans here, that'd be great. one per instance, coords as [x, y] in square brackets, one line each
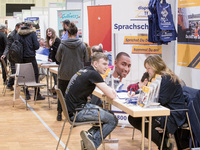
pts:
[108, 120]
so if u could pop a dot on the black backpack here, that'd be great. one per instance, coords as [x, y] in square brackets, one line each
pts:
[16, 52]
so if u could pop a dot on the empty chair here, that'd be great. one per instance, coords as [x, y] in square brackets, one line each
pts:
[74, 123]
[25, 77]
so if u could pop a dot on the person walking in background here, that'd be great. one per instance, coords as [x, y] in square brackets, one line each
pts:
[28, 38]
[3, 42]
[65, 25]
[11, 38]
[71, 55]
[52, 42]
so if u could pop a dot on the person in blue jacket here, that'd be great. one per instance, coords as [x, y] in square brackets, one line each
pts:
[170, 96]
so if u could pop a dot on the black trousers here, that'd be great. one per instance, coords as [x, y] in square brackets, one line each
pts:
[3, 71]
[137, 123]
[11, 80]
[62, 85]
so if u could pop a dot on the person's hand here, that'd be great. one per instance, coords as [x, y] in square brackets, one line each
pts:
[131, 94]
[50, 60]
[50, 42]
[3, 56]
[114, 93]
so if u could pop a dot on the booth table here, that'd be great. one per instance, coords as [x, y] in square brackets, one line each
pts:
[133, 110]
[47, 66]
[136, 111]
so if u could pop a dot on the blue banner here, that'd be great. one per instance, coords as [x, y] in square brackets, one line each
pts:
[73, 16]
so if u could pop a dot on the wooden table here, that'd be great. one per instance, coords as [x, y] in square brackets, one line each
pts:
[136, 111]
[48, 66]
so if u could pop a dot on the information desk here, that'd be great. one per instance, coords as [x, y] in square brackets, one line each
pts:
[136, 111]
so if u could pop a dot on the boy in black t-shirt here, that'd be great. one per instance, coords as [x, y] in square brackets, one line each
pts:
[81, 85]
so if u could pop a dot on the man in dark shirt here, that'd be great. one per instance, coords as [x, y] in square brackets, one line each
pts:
[11, 38]
[3, 42]
[81, 85]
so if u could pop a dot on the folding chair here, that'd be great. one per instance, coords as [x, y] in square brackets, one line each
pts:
[7, 76]
[189, 126]
[74, 123]
[25, 77]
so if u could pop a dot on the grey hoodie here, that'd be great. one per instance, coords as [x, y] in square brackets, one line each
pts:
[71, 54]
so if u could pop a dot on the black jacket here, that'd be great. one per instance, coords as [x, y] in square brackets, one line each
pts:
[171, 96]
[11, 37]
[28, 38]
[3, 41]
[53, 50]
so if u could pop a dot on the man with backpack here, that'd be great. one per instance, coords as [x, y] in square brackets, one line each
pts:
[11, 38]
[28, 38]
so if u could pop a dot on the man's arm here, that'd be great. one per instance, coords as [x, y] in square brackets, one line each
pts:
[108, 91]
[8, 45]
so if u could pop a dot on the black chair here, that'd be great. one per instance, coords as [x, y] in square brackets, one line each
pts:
[182, 127]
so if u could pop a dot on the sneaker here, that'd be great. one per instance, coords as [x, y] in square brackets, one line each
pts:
[87, 140]
[59, 116]
[40, 97]
[55, 96]
[28, 96]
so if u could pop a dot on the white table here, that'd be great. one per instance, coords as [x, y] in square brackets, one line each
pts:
[136, 111]
[47, 66]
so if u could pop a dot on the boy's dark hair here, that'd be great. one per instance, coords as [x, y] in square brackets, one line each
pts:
[145, 76]
[72, 29]
[99, 55]
[67, 22]
[121, 54]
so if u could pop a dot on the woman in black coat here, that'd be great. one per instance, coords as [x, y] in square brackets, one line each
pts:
[170, 96]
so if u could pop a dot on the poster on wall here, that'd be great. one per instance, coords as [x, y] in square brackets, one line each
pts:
[36, 25]
[188, 48]
[99, 24]
[73, 16]
[130, 35]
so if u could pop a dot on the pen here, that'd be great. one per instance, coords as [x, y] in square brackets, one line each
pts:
[130, 90]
